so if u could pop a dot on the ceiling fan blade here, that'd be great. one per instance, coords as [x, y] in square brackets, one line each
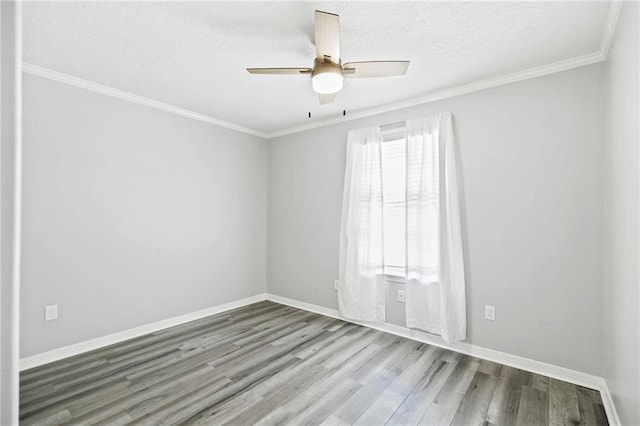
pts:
[326, 99]
[327, 36]
[375, 69]
[279, 70]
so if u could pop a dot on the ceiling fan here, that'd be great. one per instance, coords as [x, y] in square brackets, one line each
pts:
[328, 72]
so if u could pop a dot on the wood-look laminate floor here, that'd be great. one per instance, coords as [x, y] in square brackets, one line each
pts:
[272, 364]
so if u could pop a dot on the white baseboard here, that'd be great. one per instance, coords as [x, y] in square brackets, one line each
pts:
[560, 373]
[609, 407]
[542, 368]
[89, 345]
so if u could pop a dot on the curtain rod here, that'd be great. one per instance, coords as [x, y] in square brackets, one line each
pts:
[392, 126]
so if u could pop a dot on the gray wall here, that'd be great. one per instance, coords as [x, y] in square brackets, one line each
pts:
[132, 215]
[10, 54]
[621, 294]
[531, 157]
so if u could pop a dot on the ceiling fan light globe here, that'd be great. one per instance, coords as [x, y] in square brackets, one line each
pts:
[327, 83]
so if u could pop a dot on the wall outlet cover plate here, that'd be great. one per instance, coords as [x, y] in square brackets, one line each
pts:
[490, 312]
[51, 312]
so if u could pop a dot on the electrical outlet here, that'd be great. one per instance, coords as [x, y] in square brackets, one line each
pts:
[51, 313]
[401, 296]
[335, 285]
[490, 312]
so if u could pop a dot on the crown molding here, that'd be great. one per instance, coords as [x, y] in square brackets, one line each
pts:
[579, 61]
[120, 94]
[553, 68]
[609, 28]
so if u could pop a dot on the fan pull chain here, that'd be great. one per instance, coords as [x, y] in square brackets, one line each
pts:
[344, 113]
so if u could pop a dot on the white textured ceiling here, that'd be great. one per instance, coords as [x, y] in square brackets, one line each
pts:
[193, 54]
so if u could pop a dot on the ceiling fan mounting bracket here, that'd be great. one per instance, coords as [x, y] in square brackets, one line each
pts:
[327, 59]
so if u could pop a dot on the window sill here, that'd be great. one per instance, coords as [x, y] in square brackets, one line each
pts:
[395, 278]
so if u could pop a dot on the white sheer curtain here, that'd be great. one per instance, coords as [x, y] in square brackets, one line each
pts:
[361, 280]
[435, 287]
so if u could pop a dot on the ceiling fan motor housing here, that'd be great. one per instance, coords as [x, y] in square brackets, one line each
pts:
[326, 77]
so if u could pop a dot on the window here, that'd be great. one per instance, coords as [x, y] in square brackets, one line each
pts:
[394, 207]
[401, 222]
[400, 186]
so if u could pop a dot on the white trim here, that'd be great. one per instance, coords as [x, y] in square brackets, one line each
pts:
[579, 61]
[542, 368]
[609, 28]
[609, 407]
[89, 345]
[328, 312]
[605, 45]
[120, 94]
[543, 70]
[537, 367]
[515, 361]
[11, 18]
[540, 71]
[17, 215]
[567, 64]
